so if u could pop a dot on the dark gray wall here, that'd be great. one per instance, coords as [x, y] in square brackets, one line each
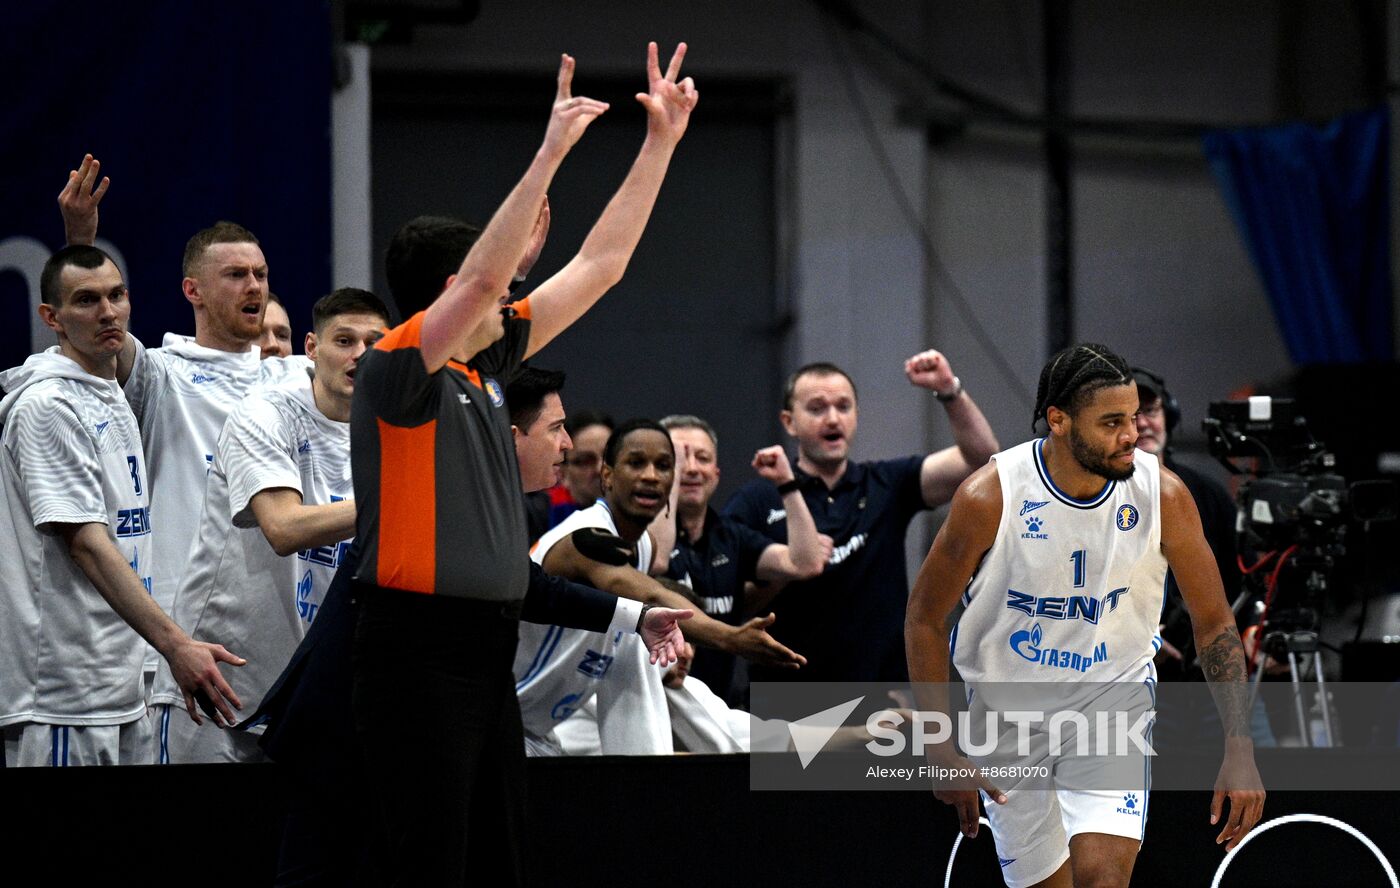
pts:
[693, 327]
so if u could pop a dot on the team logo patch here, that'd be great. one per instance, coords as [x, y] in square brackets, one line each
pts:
[1130, 805]
[594, 664]
[1034, 526]
[305, 607]
[1028, 506]
[1127, 517]
[564, 708]
[493, 388]
[1027, 645]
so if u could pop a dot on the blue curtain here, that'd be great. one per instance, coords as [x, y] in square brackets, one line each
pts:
[1313, 206]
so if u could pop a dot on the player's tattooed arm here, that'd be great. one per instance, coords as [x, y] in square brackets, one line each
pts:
[1222, 660]
[1221, 653]
[1222, 657]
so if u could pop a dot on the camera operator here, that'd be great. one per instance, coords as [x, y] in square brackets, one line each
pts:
[1159, 414]
[1157, 419]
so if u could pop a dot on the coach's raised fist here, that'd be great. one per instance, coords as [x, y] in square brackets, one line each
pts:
[930, 370]
[771, 464]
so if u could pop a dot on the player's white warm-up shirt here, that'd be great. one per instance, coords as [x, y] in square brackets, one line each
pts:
[1071, 590]
[557, 669]
[181, 394]
[237, 591]
[701, 722]
[71, 454]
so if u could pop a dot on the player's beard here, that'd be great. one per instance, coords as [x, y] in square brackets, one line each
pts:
[1093, 461]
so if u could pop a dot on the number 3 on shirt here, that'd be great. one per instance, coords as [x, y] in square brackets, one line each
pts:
[135, 473]
[1077, 557]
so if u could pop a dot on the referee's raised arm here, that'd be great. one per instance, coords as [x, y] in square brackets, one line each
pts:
[458, 324]
[603, 258]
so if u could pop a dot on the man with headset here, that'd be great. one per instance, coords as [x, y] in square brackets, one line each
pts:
[1159, 414]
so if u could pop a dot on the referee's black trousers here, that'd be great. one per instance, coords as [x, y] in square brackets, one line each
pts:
[439, 727]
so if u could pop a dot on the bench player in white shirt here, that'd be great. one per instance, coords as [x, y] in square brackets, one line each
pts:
[1079, 511]
[276, 339]
[74, 506]
[558, 669]
[183, 391]
[278, 516]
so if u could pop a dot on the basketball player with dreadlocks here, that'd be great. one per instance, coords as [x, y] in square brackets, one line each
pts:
[1079, 510]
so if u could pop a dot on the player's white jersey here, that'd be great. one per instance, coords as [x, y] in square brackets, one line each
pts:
[70, 453]
[237, 591]
[558, 669]
[1071, 590]
[701, 722]
[181, 394]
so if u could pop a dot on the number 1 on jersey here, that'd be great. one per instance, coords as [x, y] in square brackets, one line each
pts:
[1078, 558]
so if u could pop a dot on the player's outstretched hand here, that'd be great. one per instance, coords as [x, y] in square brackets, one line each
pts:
[195, 667]
[952, 785]
[668, 103]
[752, 642]
[661, 633]
[771, 464]
[571, 115]
[930, 370]
[78, 201]
[1238, 781]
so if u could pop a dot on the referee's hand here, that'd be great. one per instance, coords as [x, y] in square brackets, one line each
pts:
[661, 633]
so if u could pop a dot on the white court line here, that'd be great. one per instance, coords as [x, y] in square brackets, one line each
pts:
[948, 876]
[1304, 818]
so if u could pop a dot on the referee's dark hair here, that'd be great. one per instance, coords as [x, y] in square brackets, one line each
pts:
[621, 432]
[1074, 374]
[421, 256]
[346, 300]
[526, 393]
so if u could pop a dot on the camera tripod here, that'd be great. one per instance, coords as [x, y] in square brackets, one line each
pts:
[1293, 643]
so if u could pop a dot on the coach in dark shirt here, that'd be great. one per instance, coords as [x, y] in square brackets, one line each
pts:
[717, 556]
[849, 621]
